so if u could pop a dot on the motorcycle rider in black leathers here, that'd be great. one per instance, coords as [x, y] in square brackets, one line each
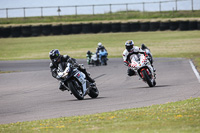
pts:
[60, 61]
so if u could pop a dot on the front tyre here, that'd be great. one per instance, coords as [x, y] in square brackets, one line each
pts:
[76, 90]
[148, 79]
[94, 92]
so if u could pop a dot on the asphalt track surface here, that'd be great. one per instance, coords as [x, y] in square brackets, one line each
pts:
[31, 93]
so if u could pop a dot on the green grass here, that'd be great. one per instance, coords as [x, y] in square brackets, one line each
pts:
[184, 44]
[182, 116]
[123, 15]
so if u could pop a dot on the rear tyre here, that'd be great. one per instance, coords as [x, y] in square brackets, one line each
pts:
[148, 79]
[94, 92]
[76, 91]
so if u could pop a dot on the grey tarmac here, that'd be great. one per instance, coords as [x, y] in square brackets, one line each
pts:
[31, 93]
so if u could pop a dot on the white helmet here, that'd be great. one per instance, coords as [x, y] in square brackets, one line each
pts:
[129, 45]
[99, 44]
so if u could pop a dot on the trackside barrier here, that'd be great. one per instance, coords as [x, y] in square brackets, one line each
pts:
[97, 27]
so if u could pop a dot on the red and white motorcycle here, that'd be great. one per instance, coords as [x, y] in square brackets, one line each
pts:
[142, 66]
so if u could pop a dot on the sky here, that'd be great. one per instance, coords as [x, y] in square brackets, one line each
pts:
[182, 5]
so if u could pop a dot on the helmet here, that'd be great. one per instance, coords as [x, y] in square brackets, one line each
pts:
[54, 55]
[99, 44]
[129, 45]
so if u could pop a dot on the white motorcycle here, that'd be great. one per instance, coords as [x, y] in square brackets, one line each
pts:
[75, 81]
[142, 67]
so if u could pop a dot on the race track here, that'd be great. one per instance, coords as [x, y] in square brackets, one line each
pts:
[31, 93]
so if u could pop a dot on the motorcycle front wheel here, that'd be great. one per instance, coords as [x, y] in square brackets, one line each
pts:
[75, 89]
[148, 79]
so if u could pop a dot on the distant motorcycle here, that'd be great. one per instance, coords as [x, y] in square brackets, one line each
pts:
[94, 60]
[75, 81]
[103, 57]
[143, 68]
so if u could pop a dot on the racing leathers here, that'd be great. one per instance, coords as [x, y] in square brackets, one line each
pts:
[101, 47]
[62, 64]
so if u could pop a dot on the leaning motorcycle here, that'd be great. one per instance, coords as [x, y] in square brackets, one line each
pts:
[142, 66]
[103, 57]
[75, 81]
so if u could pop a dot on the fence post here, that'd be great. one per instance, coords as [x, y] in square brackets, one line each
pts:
[176, 4]
[24, 12]
[126, 8]
[59, 10]
[143, 7]
[76, 10]
[6, 12]
[192, 5]
[110, 9]
[93, 9]
[160, 6]
[41, 12]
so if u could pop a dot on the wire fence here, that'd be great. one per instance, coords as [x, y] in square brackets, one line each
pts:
[168, 5]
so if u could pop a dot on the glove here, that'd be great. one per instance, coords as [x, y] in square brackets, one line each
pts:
[127, 64]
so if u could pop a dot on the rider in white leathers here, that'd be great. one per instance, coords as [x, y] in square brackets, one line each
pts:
[132, 51]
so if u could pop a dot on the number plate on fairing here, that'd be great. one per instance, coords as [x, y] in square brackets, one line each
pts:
[80, 77]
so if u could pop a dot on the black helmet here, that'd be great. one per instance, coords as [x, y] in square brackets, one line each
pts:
[54, 55]
[129, 45]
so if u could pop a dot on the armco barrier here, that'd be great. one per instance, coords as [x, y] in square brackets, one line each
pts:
[106, 27]
[184, 25]
[125, 27]
[144, 26]
[76, 28]
[47, 29]
[154, 26]
[57, 29]
[135, 26]
[193, 25]
[26, 31]
[66, 29]
[174, 25]
[87, 28]
[116, 27]
[16, 31]
[96, 27]
[164, 25]
[36, 30]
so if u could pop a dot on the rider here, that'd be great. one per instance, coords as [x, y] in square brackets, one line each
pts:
[100, 47]
[62, 60]
[89, 55]
[134, 50]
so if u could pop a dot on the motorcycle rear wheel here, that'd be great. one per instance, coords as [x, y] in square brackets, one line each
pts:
[75, 90]
[148, 79]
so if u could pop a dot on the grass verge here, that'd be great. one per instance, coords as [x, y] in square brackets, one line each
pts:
[184, 44]
[182, 116]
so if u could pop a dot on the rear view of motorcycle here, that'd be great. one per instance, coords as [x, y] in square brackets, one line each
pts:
[103, 57]
[142, 66]
[75, 81]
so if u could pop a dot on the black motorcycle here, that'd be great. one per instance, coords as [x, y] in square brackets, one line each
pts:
[75, 81]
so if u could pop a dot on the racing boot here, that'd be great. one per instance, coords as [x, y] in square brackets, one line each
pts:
[143, 47]
[61, 87]
[131, 72]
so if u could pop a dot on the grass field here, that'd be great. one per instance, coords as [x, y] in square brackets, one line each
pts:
[184, 44]
[182, 117]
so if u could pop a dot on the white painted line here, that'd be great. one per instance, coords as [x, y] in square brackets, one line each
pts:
[195, 70]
